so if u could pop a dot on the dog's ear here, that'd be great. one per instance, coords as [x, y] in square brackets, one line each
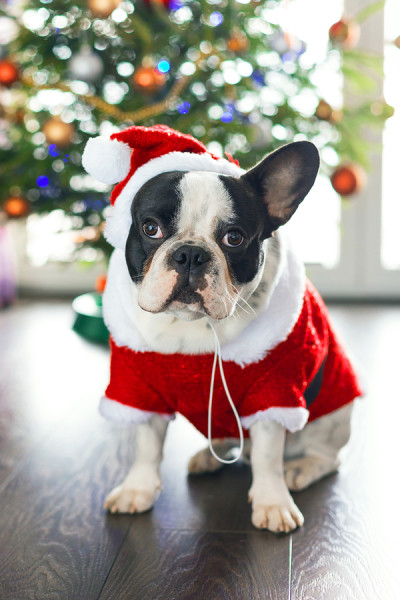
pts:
[284, 178]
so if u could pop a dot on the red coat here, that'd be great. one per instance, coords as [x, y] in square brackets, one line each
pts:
[169, 383]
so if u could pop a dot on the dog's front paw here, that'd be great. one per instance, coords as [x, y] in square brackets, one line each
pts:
[124, 499]
[279, 517]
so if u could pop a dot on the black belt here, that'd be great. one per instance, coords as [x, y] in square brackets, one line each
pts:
[315, 386]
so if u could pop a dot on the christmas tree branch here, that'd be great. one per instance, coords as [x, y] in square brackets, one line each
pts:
[134, 116]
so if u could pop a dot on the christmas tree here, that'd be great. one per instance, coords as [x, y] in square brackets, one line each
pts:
[224, 71]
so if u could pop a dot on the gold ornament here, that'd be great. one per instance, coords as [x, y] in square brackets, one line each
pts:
[102, 8]
[57, 132]
[325, 112]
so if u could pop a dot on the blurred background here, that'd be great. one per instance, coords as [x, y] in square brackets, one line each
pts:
[244, 77]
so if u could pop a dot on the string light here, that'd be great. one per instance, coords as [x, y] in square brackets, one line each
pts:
[163, 66]
[53, 150]
[227, 115]
[216, 19]
[42, 181]
[183, 108]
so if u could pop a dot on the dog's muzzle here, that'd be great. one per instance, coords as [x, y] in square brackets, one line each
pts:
[191, 263]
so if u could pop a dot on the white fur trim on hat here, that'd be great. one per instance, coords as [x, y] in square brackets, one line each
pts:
[107, 160]
[119, 221]
[292, 418]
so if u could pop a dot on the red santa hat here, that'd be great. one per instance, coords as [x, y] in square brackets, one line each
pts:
[137, 154]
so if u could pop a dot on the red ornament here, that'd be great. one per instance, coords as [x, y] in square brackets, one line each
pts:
[345, 33]
[8, 72]
[100, 284]
[16, 207]
[348, 179]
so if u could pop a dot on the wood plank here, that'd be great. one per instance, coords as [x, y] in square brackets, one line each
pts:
[160, 564]
[55, 540]
[213, 502]
[58, 456]
[46, 372]
[61, 459]
[348, 547]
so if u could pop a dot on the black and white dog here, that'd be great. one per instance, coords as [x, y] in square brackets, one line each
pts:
[198, 245]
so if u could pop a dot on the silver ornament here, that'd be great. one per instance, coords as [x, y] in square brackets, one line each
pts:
[86, 65]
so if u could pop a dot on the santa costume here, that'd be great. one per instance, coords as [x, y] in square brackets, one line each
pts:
[286, 365]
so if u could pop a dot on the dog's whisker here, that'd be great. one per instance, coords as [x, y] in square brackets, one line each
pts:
[235, 300]
[239, 297]
[250, 307]
[226, 307]
[242, 307]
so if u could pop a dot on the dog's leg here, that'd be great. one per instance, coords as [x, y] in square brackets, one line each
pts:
[273, 506]
[142, 486]
[320, 443]
[204, 462]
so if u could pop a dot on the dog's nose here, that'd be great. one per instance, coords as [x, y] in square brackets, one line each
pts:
[190, 259]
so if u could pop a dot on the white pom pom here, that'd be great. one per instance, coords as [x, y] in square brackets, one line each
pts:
[107, 160]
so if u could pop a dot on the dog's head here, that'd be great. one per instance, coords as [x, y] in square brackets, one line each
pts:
[196, 239]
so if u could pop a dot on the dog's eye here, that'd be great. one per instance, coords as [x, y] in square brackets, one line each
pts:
[233, 238]
[152, 229]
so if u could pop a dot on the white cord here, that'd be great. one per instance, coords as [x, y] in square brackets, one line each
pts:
[217, 353]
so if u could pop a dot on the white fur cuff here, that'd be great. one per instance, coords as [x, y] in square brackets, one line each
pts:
[293, 419]
[127, 415]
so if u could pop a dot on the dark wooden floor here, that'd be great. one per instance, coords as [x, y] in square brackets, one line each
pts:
[59, 459]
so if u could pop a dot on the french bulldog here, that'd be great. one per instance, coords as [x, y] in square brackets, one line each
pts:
[205, 251]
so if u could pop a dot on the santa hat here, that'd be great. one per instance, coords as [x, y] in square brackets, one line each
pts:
[137, 154]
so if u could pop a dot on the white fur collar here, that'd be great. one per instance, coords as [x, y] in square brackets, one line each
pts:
[244, 340]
